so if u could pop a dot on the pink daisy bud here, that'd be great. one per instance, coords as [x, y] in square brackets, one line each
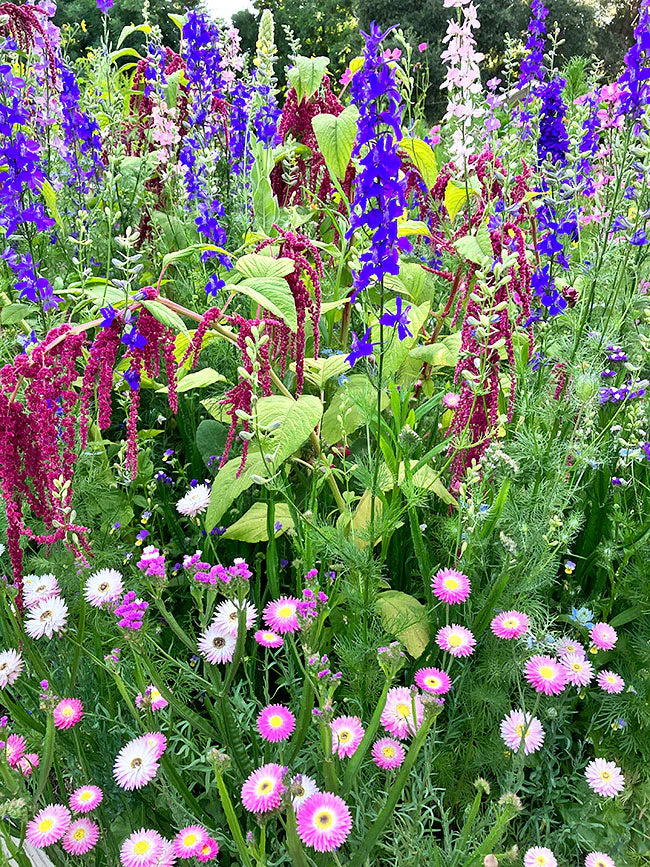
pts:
[190, 841]
[603, 636]
[387, 753]
[579, 670]
[397, 715]
[324, 822]
[85, 799]
[598, 859]
[152, 699]
[276, 723]
[510, 624]
[456, 640]
[567, 645]
[450, 586]
[268, 639]
[539, 856]
[67, 713]
[422, 47]
[516, 726]
[347, 734]
[48, 826]
[81, 837]
[263, 789]
[143, 848]
[14, 749]
[545, 675]
[610, 682]
[281, 615]
[433, 680]
[209, 850]
[605, 778]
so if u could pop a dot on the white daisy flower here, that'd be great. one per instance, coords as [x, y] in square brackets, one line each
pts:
[226, 616]
[30, 580]
[11, 665]
[195, 501]
[303, 787]
[46, 617]
[44, 588]
[103, 587]
[216, 645]
[136, 765]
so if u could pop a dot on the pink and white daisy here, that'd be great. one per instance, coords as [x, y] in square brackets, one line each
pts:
[86, 798]
[599, 859]
[276, 723]
[48, 826]
[518, 725]
[610, 682]
[263, 789]
[510, 624]
[603, 636]
[190, 841]
[451, 400]
[226, 616]
[152, 699]
[46, 587]
[456, 640]
[539, 856]
[347, 734]
[168, 856]
[27, 764]
[195, 501]
[268, 639]
[103, 588]
[155, 741]
[281, 615]
[82, 836]
[67, 713]
[302, 787]
[568, 645]
[545, 675]
[143, 848]
[433, 680]
[136, 765]
[11, 666]
[605, 778]
[387, 753]
[324, 822]
[397, 715]
[451, 586]
[216, 645]
[209, 850]
[14, 749]
[46, 618]
[580, 671]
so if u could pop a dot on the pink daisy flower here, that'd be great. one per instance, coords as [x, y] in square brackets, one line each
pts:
[190, 841]
[85, 799]
[281, 615]
[276, 723]
[11, 665]
[518, 725]
[302, 787]
[142, 849]
[598, 859]
[81, 836]
[579, 670]
[27, 764]
[347, 734]
[226, 616]
[168, 856]
[268, 639]
[603, 636]
[610, 682]
[568, 645]
[136, 765]
[216, 645]
[605, 778]
[324, 822]
[397, 715]
[263, 789]
[539, 856]
[14, 749]
[67, 713]
[209, 850]
[152, 698]
[545, 675]
[48, 826]
[456, 640]
[155, 741]
[433, 680]
[450, 586]
[451, 400]
[510, 624]
[388, 753]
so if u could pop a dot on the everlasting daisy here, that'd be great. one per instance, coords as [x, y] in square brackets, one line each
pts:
[268, 639]
[605, 778]
[388, 753]
[510, 624]
[567, 645]
[397, 715]
[598, 859]
[209, 850]
[40, 590]
[516, 726]
[324, 822]
[151, 699]
[103, 587]
[136, 765]
[216, 645]
[48, 826]
[433, 680]
[195, 501]
[263, 789]
[85, 799]
[610, 681]
[81, 836]
[155, 741]
[456, 640]
[347, 734]
[545, 675]
[450, 586]
[27, 764]
[14, 750]
[539, 856]
[190, 841]
[67, 713]
[603, 636]
[30, 581]
[302, 787]
[11, 665]
[579, 670]
[281, 615]
[142, 849]
[46, 617]
[227, 613]
[276, 723]
[168, 856]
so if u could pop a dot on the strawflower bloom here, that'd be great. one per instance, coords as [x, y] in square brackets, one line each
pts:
[610, 682]
[545, 675]
[518, 725]
[324, 822]
[268, 639]
[195, 501]
[209, 850]
[605, 778]
[48, 826]
[190, 841]
[276, 723]
[136, 765]
[11, 666]
[397, 715]
[603, 636]
[46, 587]
[226, 616]
[302, 787]
[103, 587]
[263, 789]
[281, 615]
[599, 859]
[142, 849]
[46, 617]
[14, 749]
[216, 645]
[387, 753]
[568, 645]
[85, 798]
[539, 856]
[510, 624]
[456, 640]
[433, 680]
[347, 734]
[152, 699]
[450, 586]
[27, 764]
[81, 836]
[155, 741]
[579, 670]
[67, 713]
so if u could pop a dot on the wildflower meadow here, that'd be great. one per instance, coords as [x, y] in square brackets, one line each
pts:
[324, 449]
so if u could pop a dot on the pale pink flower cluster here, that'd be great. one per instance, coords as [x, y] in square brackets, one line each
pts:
[232, 60]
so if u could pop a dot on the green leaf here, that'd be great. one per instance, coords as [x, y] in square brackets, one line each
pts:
[211, 438]
[14, 313]
[252, 526]
[306, 75]
[271, 293]
[422, 157]
[48, 193]
[125, 52]
[177, 255]
[397, 352]
[196, 379]
[456, 195]
[257, 265]
[405, 618]
[179, 20]
[475, 248]
[105, 294]
[441, 354]
[132, 28]
[354, 404]
[165, 315]
[335, 136]
[412, 227]
[319, 370]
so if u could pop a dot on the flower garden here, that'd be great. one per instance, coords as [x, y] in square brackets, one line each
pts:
[324, 451]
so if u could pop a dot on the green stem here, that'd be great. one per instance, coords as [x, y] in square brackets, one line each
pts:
[233, 823]
[360, 753]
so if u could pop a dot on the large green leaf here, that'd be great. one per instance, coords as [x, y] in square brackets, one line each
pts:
[405, 618]
[335, 136]
[306, 75]
[271, 293]
[354, 404]
[211, 438]
[422, 157]
[196, 379]
[441, 354]
[319, 370]
[165, 315]
[457, 195]
[252, 526]
[397, 352]
[475, 248]
[257, 265]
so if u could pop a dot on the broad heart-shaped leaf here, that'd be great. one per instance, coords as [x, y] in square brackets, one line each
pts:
[252, 526]
[14, 313]
[257, 265]
[165, 315]
[475, 248]
[319, 370]
[211, 438]
[441, 354]
[356, 403]
[335, 136]
[306, 75]
[456, 195]
[297, 418]
[422, 157]
[412, 227]
[405, 618]
[196, 379]
[132, 28]
[271, 293]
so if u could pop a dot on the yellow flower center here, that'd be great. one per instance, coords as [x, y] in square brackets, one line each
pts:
[67, 711]
[189, 839]
[154, 695]
[85, 796]
[541, 859]
[510, 623]
[610, 679]
[388, 752]
[324, 819]
[142, 847]
[455, 640]
[577, 666]
[275, 721]
[547, 672]
[285, 611]
[520, 729]
[103, 587]
[451, 583]
[344, 735]
[605, 775]
[264, 787]
[269, 636]
[79, 834]
[45, 825]
[433, 682]
[403, 710]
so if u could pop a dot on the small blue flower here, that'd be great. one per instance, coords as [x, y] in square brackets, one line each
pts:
[399, 319]
[360, 347]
